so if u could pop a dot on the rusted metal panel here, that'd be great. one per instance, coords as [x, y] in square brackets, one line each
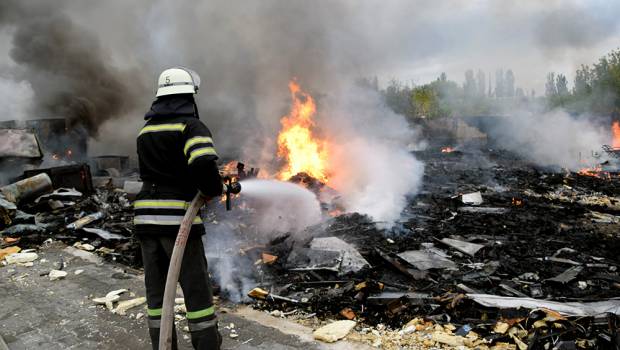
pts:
[19, 143]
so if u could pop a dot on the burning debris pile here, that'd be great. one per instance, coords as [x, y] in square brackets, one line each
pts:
[493, 251]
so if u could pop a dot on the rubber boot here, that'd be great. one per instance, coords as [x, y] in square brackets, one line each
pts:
[207, 339]
[154, 333]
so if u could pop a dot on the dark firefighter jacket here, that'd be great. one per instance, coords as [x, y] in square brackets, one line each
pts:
[177, 159]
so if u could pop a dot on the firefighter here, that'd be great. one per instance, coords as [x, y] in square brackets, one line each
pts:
[177, 159]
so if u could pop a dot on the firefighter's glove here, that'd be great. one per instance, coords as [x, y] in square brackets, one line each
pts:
[232, 188]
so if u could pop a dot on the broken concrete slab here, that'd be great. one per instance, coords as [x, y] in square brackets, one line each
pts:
[426, 259]
[462, 246]
[334, 331]
[20, 258]
[57, 274]
[352, 260]
[448, 339]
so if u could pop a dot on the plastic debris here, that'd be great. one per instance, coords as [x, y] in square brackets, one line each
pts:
[568, 308]
[85, 220]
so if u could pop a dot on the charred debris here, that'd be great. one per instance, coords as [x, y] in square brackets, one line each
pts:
[493, 251]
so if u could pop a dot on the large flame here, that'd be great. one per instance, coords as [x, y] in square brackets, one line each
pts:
[297, 144]
[615, 129]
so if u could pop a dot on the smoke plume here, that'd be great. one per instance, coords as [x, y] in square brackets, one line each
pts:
[97, 63]
[69, 72]
[553, 139]
[370, 162]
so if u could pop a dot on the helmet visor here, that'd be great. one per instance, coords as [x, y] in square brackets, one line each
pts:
[194, 75]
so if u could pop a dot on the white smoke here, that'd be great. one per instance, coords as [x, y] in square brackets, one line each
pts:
[269, 208]
[369, 160]
[552, 139]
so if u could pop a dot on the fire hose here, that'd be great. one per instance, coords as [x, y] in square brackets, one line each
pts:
[167, 314]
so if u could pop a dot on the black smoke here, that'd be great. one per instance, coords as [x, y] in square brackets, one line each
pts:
[69, 72]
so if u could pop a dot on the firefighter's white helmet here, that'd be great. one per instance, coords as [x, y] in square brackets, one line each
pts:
[178, 80]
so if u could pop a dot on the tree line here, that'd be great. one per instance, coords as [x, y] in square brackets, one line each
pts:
[596, 89]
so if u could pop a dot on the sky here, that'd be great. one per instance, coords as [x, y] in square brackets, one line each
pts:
[109, 54]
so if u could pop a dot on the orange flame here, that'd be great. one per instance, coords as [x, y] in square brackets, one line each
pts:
[447, 149]
[297, 144]
[596, 171]
[615, 129]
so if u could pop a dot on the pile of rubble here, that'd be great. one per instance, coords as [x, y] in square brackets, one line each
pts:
[498, 253]
[37, 208]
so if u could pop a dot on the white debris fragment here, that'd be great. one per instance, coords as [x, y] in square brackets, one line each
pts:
[77, 272]
[276, 313]
[125, 305]
[84, 246]
[334, 331]
[180, 309]
[474, 198]
[57, 274]
[139, 315]
[19, 258]
[110, 298]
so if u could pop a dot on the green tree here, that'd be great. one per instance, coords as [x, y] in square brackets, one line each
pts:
[561, 85]
[550, 87]
[509, 84]
[469, 86]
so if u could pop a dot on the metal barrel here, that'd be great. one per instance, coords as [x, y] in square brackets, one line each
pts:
[28, 188]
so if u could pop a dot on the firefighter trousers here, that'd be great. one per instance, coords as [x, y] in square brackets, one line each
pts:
[194, 279]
